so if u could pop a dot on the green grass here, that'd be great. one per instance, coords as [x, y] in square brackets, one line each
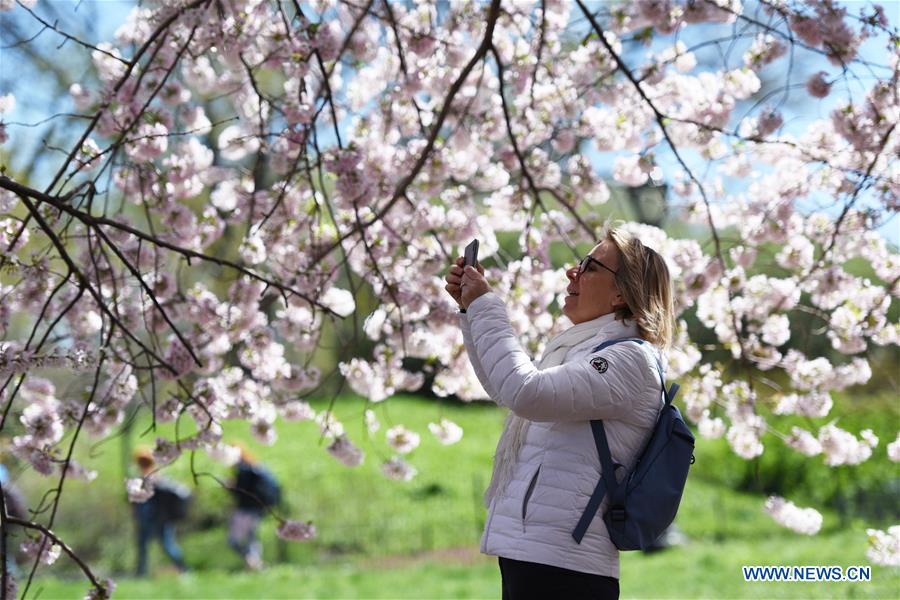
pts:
[702, 569]
[380, 538]
[357, 511]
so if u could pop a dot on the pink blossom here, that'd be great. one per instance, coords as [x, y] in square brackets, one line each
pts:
[40, 459]
[296, 531]
[328, 40]
[807, 29]
[710, 427]
[884, 546]
[235, 143]
[81, 96]
[105, 592]
[814, 404]
[78, 471]
[744, 440]
[88, 155]
[109, 69]
[447, 432]
[817, 86]
[893, 449]
[178, 358]
[264, 432]
[253, 249]
[564, 142]
[765, 49]
[842, 447]
[48, 555]
[627, 170]
[372, 423]
[807, 521]
[6, 5]
[803, 442]
[344, 450]
[401, 439]
[168, 410]
[339, 300]
[165, 452]
[365, 379]
[148, 142]
[399, 469]
[769, 121]
[225, 454]
[139, 489]
[297, 410]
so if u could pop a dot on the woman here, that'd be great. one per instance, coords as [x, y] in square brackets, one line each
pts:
[546, 464]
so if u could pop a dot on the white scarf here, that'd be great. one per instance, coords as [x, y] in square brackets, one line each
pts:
[515, 428]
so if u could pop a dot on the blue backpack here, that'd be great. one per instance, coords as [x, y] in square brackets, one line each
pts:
[268, 492]
[171, 500]
[643, 504]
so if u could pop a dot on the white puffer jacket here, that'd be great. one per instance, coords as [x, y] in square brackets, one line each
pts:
[532, 519]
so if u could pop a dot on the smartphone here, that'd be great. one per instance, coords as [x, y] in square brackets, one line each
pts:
[471, 254]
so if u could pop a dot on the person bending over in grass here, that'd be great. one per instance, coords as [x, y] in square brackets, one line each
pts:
[546, 464]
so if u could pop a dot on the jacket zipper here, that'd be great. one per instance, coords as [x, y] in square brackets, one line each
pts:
[528, 496]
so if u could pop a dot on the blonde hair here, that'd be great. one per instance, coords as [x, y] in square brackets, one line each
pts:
[644, 283]
[246, 455]
[143, 456]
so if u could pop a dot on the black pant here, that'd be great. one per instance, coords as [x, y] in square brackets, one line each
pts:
[527, 581]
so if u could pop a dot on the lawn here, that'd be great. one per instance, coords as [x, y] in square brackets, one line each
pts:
[387, 539]
[701, 569]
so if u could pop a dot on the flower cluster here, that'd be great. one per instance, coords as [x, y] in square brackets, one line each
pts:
[401, 439]
[344, 450]
[13, 360]
[446, 431]
[807, 521]
[399, 469]
[893, 449]
[139, 489]
[104, 592]
[48, 550]
[7, 102]
[296, 531]
[843, 448]
[884, 546]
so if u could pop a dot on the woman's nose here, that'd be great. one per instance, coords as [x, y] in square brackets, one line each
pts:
[572, 273]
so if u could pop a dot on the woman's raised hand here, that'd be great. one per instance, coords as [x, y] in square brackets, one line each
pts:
[464, 284]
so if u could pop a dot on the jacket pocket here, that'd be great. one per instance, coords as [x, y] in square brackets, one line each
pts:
[528, 493]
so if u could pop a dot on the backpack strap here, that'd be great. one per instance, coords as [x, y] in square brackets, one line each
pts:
[607, 483]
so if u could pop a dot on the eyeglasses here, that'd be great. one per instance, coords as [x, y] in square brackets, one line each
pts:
[587, 260]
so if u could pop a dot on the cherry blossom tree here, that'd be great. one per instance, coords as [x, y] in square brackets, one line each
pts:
[237, 170]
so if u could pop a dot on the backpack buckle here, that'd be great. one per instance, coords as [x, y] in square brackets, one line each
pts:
[617, 513]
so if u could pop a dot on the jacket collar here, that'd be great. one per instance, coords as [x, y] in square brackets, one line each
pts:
[592, 332]
[614, 329]
[606, 327]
